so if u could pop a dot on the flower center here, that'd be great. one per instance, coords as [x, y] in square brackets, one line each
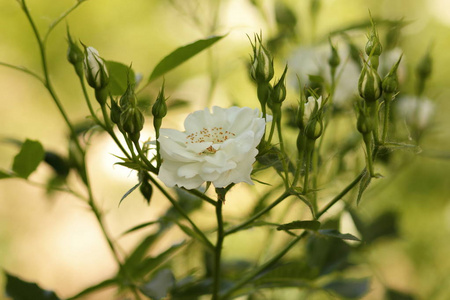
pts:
[216, 135]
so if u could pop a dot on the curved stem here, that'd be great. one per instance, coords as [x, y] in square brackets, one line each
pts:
[23, 69]
[259, 214]
[201, 195]
[89, 104]
[60, 18]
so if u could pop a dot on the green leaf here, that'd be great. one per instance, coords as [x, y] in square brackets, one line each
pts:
[149, 264]
[129, 192]
[140, 226]
[349, 288]
[58, 163]
[94, 288]
[363, 184]
[140, 251]
[160, 285]
[308, 225]
[130, 165]
[181, 55]
[397, 295]
[28, 159]
[119, 77]
[18, 289]
[383, 226]
[336, 234]
[295, 273]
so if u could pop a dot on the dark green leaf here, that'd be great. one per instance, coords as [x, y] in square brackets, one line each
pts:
[129, 192]
[289, 274]
[397, 295]
[309, 225]
[119, 77]
[140, 226]
[4, 174]
[160, 285]
[349, 288]
[327, 254]
[18, 289]
[28, 159]
[363, 184]
[58, 163]
[94, 288]
[130, 165]
[336, 234]
[140, 251]
[384, 225]
[177, 103]
[181, 55]
[149, 264]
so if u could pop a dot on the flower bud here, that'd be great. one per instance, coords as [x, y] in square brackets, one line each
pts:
[369, 84]
[314, 127]
[373, 45]
[279, 90]
[390, 81]
[95, 69]
[424, 67]
[128, 98]
[159, 109]
[115, 112]
[334, 59]
[262, 62]
[74, 55]
[132, 121]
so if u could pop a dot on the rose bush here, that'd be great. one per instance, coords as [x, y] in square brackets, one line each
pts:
[217, 146]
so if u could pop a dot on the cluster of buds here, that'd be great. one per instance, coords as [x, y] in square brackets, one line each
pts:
[127, 115]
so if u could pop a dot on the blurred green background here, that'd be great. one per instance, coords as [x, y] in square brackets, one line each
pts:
[55, 240]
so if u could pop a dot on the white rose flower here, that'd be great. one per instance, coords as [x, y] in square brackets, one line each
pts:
[417, 112]
[219, 147]
[94, 68]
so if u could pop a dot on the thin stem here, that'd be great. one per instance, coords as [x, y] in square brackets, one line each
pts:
[387, 105]
[283, 152]
[259, 214]
[181, 211]
[88, 102]
[25, 70]
[60, 18]
[144, 158]
[201, 195]
[218, 249]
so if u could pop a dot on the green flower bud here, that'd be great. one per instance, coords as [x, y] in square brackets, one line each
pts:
[300, 114]
[262, 62]
[373, 45]
[95, 69]
[390, 81]
[314, 127]
[159, 109]
[128, 98]
[279, 90]
[369, 84]
[115, 112]
[132, 121]
[334, 59]
[74, 55]
[424, 67]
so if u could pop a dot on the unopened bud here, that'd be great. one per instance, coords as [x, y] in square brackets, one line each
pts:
[424, 67]
[74, 55]
[132, 121]
[373, 45]
[390, 81]
[363, 123]
[95, 69]
[278, 94]
[262, 63]
[159, 109]
[115, 112]
[369, 84]
[314, 127]
[334, 59]
[128, 98]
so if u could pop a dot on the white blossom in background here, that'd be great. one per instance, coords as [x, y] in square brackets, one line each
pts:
[417, 112]
[313, 60]
[309, 107]
[217, 146]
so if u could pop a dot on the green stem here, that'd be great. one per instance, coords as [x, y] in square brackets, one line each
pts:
[182, 212]
[23, 69]
[309, 151]
[387, 105]
[60, 18]
[218, 249]
[88, 102]
[283, 152]
[144, 158]
[368, 141]
[259, 214]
